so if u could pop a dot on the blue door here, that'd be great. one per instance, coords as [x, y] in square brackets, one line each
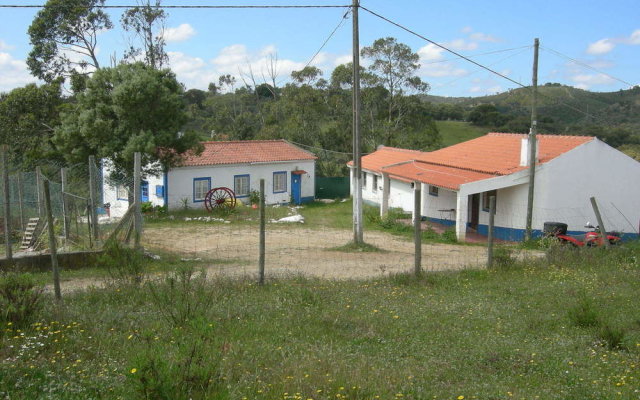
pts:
[144, 188]
[295, 188]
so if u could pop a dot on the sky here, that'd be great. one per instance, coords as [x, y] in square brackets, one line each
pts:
[588, 44]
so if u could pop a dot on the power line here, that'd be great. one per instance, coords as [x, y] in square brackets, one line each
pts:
[559, 54]
[344, 18]
[443, 47]
[322, 149]
[478, 55]
[184, 6]
[478, 64]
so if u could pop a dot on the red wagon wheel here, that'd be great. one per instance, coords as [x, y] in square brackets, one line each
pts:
[220, 198]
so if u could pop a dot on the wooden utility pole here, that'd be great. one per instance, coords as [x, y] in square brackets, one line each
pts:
[7, 205]
[603, 231]
[492, 214]
[417, 231]
[532, 139]
[137, 213]
[52, 240]
[358, 237]
[93, 195]
[262, 235]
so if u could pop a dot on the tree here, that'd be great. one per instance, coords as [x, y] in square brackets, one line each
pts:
[64, 36]
[27, 118]
[306, 76]
[127, 109]
[147, 23]
[394, 65]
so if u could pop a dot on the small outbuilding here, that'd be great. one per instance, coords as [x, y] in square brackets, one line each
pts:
[288, 171]
[457, 182]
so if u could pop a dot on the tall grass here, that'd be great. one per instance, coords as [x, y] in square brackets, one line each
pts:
[485, 334]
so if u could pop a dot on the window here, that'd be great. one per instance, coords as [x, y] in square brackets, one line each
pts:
[433, 190]
[364, 180]
[159, 190]
[241, 185]
[200, 188]
[485, 199]
[144, 191]
[122, 192]
[375, 183]
[280, 182]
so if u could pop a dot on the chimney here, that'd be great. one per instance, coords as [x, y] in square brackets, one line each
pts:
[524, 151]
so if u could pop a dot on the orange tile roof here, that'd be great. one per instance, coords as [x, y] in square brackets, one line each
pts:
[488, 156]
[436, 175]
[499, 153]
[247, 151]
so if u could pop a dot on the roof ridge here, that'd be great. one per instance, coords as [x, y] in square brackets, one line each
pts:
[245, 141]
[538, 135]
[462, 168]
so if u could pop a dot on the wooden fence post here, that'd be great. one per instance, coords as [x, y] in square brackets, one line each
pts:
[52, 240]
[137, 212]
[262, 235]
[93, 198]
[417, 231]
[492, 214]
[7, 205]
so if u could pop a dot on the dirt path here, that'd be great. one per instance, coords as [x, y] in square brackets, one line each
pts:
[298, 250]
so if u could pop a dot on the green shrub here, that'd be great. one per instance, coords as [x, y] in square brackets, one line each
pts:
[450, 236]
[20, 298]
[503, 256]
[584, 314]
[181, 295]
[146, 207]
[124, 264]
[612, 337]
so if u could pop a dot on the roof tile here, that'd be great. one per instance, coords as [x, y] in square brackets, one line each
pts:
[247, 151]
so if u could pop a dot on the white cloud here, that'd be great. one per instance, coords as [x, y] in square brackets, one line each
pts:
[602, 46]
[4, 46]
[179, 34]
[483, 37]
[339, 60]
[14, 73]
[466, 29]
[585, 81]
[634, 38]
[430, 52]
[462, 45]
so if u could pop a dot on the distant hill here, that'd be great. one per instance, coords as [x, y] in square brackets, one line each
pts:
[566, 105]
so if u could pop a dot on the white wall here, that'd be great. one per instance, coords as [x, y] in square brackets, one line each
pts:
[180, 180]
[369, 193]
[592, 169]
[118, 206]
[401, 195]
[446, 200]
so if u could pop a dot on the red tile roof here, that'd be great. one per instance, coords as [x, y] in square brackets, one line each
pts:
[488, 156]
[247, 151]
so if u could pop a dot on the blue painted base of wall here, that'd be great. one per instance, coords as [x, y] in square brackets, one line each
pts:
[517, 235]
[446, 222]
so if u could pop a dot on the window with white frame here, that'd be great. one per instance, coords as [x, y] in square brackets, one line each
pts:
[280, 182]
[200, 188]
[433, 190]
[375, 183]
[241, 185]
[486, 196]
[364, 180]
[122, 192]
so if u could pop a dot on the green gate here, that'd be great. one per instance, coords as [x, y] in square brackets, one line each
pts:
[332, 188]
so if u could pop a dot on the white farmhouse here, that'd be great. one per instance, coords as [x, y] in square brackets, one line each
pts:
[457, 182]
[288, 171]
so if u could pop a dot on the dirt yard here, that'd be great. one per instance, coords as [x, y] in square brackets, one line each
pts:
[299, 250]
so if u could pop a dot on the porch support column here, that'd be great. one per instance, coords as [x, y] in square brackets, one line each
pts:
[386, 189]
[424, 200]
[462, 211]
[352, 182]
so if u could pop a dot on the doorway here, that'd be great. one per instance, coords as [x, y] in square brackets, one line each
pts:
[474, 217]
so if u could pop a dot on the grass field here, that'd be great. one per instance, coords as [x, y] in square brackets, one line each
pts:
[567, 327]
[453, 132]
